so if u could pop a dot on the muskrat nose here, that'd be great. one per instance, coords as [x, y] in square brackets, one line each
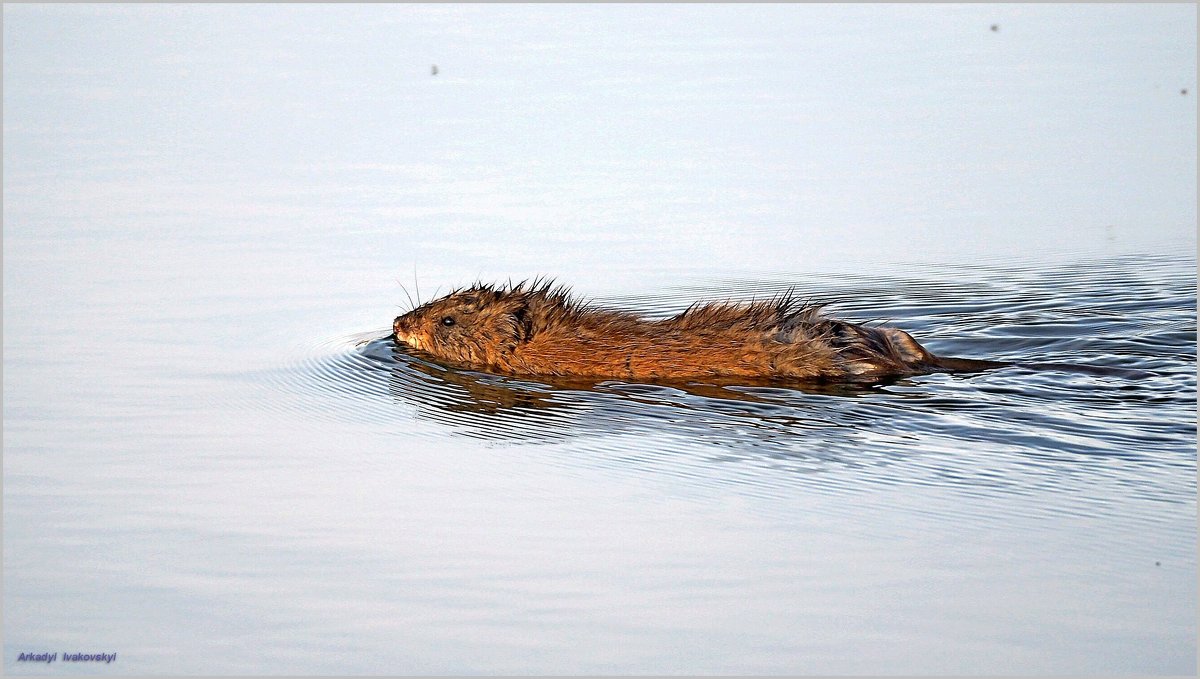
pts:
[402, 331]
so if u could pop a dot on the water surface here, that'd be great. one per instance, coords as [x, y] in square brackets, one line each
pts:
[215, 461]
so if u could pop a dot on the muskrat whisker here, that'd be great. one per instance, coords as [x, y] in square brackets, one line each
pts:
[411, 306]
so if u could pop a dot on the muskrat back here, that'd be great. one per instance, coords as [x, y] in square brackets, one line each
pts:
[537, 329]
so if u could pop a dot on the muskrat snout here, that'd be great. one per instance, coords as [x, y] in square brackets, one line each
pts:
[403, 333]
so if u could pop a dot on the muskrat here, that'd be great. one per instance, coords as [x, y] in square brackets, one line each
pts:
[538, 329]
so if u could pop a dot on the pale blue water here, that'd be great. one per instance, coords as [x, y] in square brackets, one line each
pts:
[215, 462]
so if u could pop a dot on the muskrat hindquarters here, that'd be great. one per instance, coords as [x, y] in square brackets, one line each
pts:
[478, 327]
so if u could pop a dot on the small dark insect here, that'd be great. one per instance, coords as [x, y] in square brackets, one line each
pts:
[995, 28]
[1183, 91]
[433, 70]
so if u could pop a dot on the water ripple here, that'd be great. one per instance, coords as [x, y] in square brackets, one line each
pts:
[1123, 419]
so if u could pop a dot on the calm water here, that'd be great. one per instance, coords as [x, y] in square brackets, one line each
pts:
[215, 461]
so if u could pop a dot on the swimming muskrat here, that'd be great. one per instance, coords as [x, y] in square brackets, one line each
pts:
[537, 329]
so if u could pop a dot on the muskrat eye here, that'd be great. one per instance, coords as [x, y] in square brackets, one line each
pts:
[448, 321]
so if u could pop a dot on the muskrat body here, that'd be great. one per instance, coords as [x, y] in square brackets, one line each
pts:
[540, 330]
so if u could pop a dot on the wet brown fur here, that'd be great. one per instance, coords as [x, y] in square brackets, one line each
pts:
[540, 329]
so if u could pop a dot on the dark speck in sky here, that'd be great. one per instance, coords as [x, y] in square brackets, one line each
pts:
[995, 28]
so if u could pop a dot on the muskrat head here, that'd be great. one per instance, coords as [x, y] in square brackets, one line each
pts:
[479, 326]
